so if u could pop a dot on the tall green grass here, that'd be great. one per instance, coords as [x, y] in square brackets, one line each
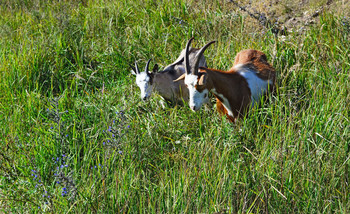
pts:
[76, 138]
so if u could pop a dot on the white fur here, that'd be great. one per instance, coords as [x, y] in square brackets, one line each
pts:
[256, 85]
[191, 79]
[142, 81]
[196, 98]
[237, 66]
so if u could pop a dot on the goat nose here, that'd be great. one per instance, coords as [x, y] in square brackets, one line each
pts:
[144, 98]
[193, 108]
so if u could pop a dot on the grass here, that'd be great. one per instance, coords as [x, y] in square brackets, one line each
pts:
[76, 138]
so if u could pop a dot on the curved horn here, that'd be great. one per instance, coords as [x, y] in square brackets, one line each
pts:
[199, 56]
[132, 67]
[136, 68]
[187, 60]
[147, 65]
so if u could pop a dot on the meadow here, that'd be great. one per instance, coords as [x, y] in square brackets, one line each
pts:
[77, 138]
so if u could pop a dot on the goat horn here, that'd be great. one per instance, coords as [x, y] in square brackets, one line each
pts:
[132, 67]
[199, 55]
[187, 60]
[137, 68]
[147, 65]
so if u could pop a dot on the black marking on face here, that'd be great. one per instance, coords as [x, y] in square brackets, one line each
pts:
[200, 88]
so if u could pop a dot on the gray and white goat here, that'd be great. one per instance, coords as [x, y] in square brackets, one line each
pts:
[163, 81]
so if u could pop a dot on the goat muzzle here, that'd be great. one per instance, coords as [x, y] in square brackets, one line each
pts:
[194, 108]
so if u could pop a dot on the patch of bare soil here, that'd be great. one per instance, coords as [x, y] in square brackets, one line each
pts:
[284, 16]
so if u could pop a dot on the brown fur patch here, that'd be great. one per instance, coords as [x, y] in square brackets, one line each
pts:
[256, 60]
[249, 55]
[233, 86]
[221, 109]
[238, 93]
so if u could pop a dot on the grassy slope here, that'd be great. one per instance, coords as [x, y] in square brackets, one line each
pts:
[116, 153]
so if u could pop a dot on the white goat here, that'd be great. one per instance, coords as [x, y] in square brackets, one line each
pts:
[237, 89]
[163, 81]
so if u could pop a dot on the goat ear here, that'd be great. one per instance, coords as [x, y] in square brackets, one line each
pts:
[155, 68]
[180, 77]
[202, 79]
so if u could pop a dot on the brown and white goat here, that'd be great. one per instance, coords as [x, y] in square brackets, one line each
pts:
[237, 89]
[163, 81]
